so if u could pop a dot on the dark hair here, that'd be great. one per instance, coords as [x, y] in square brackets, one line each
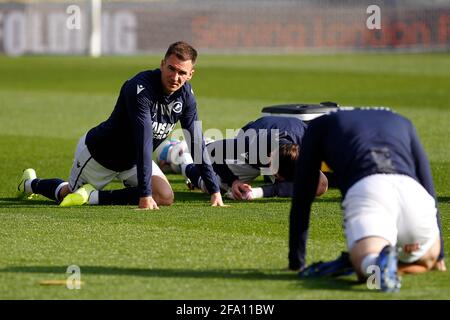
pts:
[288, 155]
[183, 51]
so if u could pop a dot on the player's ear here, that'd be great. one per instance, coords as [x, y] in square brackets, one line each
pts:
[162, 63]
[191, 74]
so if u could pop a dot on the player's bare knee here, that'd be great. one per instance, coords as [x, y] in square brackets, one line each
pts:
[322, 186]
[431, 256]
[162, 191]
[166, 199]
[429, 263]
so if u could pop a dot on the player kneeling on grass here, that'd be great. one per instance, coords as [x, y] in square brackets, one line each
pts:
[390, 209]
[148, 108]
[268, 146]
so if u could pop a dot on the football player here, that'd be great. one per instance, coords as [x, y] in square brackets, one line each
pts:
[391, 219]
[148, 107]
[268, 146]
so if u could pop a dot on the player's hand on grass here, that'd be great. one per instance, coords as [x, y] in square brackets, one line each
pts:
[239, 189]
[147, 203]
[440, 265]
[216, 200]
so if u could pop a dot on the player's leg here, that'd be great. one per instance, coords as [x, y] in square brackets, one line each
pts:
[371, 209]
[322, 186]
[162, 192]
[30, 184]
[86, 176]
[426, 263]
[364, 253]
[418, 231]
[56, 189]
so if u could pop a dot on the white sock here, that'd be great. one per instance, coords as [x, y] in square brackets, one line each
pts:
[369, 260]
[58, 189]
[93, 197]
[257, 193]
[27, 186]
[186, 158]
[183, 169]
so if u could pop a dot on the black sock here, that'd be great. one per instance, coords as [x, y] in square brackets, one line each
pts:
[46, 187]
[193, 174]
[125, 196]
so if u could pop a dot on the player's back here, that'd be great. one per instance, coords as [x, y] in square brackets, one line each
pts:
[111, 142]
[291, 130]
[362, 142]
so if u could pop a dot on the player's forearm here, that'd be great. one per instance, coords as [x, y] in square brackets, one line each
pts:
[144, 163]
[280, 189]
[209, 178]
[141, 125]
[423, 171]
[298, 233]
[197, 148]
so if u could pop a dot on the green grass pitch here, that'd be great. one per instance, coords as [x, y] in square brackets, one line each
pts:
[190, 250]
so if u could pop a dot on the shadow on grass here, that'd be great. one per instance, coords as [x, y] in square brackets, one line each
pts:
[240, 274]
[195, 196]
[182, 196]
[331, 199]
[18, 203]
[328, 283]
[443, 199]
[190, 196]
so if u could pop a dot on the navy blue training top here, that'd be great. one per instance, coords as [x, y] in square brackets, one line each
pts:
[354, 144]
[142, 118]
[256, 139]
[290, 129]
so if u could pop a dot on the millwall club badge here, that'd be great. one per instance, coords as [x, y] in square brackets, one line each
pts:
[177, 107]
[140, 87]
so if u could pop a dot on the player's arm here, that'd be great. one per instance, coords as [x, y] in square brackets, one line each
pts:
[285, 189]
[305, 186]
[196, 144]
[423, 172]
[138, 110]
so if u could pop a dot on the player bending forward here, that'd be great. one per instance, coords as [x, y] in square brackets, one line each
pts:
[390, 209]
[148, 108]
[268, 146]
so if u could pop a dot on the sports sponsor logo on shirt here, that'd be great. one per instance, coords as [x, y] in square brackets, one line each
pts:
[162, 130]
